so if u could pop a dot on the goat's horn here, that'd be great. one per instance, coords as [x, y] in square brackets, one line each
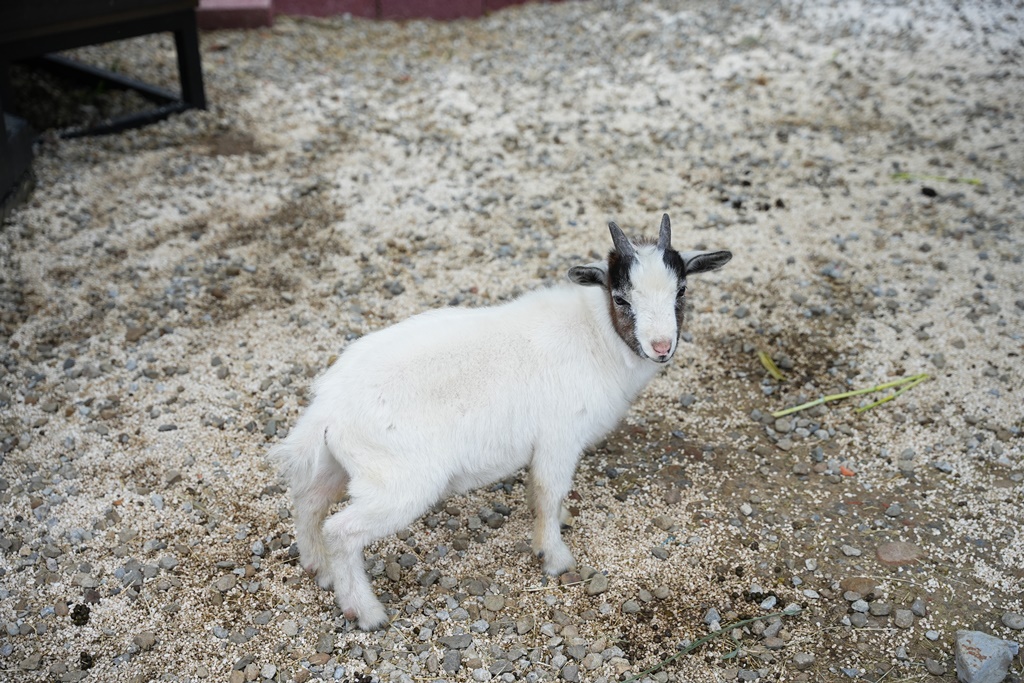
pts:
[665, 234]
[622, 244]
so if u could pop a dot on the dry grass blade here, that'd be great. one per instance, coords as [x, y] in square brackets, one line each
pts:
[937, 178]
[910, 382]
[770, 366]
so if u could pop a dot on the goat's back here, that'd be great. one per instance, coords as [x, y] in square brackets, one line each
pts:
[477, 390]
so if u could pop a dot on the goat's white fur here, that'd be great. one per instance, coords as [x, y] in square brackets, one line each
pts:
[454, 399]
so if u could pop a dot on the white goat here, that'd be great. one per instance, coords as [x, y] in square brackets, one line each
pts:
[453, 399]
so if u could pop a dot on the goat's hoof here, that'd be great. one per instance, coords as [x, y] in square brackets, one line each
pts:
[372, 618]
[369, 617]
[557, 561]
[373, 623]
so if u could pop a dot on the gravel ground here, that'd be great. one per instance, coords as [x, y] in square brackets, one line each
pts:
[167, 295]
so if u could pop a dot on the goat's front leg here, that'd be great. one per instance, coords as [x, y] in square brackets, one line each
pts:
[550, 481]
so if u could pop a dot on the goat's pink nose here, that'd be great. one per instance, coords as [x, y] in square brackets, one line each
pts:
[661, 347]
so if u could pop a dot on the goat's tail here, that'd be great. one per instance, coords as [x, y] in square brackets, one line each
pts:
[299, 454]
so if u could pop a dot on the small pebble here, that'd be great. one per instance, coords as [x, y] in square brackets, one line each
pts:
[803, 661]
[898, 553]
[597, 584]
[145, 640]
[1013, 620]
[903, 618]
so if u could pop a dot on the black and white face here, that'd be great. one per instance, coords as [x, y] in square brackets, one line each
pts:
[646, 284]
[646, 300]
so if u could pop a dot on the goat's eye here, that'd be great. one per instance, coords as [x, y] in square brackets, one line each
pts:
[681, 293]
[620, 301]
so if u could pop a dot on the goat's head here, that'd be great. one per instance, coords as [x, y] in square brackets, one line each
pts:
[646, 286]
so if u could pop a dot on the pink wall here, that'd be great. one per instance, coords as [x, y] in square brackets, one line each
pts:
[215, 14]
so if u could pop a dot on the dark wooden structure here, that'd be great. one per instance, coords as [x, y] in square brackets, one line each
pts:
[31, 30]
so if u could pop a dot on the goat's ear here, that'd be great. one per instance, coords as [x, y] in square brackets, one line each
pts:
[704, 261]
[590, 275]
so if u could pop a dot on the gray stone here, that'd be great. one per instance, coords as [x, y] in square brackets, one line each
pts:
[225, 583]
[898, 553]
[981, 658]
[32, 662]
[803, 661]
[452, 661]
[773, 629]
[500, 666]
[712, 617]
[145, 640]
[858, 620]
[571, 673]
[934, 667]
[850, 551]
[325, 643]
[860, 605]
[1014, 620]
[597, 584]
[918, 608]
[429, 578]
[525, 624]
[880, 609]
[494, 603]
[630, 607]
[903, 618]
[663, 522]
[459, 642]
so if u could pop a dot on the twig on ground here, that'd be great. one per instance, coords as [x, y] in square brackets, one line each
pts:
[708, 638]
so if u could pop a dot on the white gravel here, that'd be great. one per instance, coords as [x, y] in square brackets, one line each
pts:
[167, 294]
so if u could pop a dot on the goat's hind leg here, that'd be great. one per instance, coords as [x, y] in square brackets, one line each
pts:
[368, 516]
[313, 495]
